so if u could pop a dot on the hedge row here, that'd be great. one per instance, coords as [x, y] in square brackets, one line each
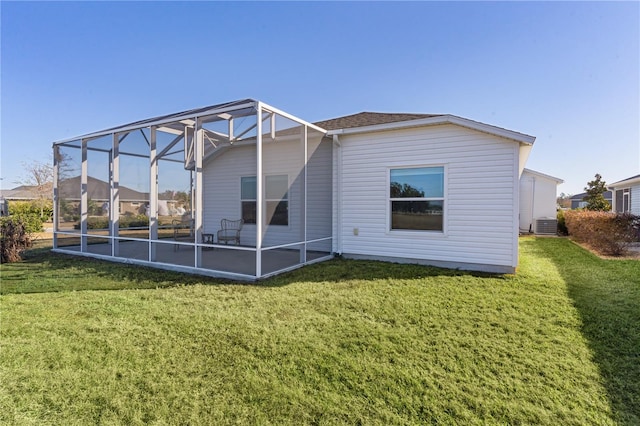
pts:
[102, 222]
[31, 222]
[608, 233]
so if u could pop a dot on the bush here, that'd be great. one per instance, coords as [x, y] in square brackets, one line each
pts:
[137, 221]
[41, 208]
[126, 221]
[32, 222]
[14, 239]
[608, 233]
[562, 225]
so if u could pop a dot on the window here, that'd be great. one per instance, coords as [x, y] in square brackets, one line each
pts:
[248, 198]
[276, 199]
[416, 198]
[626, 200]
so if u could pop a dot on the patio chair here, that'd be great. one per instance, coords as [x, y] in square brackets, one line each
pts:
[182, 230]
[230, 231]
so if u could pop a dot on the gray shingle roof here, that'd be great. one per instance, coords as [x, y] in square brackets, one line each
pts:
[362, 119]
[625, 180]
[580, 197]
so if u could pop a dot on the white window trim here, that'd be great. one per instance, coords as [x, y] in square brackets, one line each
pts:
[418, 233]
[265, 200]
[626, 193]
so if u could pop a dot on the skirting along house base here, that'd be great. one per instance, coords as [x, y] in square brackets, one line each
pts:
[243, 190]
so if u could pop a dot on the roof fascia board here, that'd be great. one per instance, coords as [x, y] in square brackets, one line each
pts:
[441, 119]
[158, 122]
[533, 172]
[623, 183]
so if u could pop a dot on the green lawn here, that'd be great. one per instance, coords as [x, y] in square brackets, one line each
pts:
[342, 342]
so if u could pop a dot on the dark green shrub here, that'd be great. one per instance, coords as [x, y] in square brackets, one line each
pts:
[137, 221]
[562, 225]
[126, 221]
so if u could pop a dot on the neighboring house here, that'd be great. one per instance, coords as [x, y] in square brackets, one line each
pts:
[420, 188]
[24, 193]
[538, 202]
[131, 201]
[578, 202]
[627, 195]
[21, 193]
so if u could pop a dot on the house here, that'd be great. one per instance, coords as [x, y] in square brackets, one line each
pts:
[25, 192]
[22, 193]
[627, 195]
[131, 201]
[538, 202]
[421, 188]
[578, 202]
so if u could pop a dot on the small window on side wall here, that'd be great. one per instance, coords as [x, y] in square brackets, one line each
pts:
[276, 199]
[416, 198]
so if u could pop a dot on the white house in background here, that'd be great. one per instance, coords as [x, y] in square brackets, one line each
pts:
[421, 188]
[538, 202]
[626, 195]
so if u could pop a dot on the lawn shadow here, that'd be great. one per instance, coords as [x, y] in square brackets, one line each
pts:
[606, 294]
[77, 273]
[341, 270]
[43, 271]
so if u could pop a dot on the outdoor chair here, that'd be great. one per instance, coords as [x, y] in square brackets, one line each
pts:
[230, 231]
[182, 229]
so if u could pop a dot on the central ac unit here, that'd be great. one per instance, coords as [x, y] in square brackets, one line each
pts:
[546, 226]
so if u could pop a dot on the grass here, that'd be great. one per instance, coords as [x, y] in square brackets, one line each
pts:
[342, 342]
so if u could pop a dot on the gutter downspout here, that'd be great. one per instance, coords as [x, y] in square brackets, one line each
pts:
[338, 216]
[533, 200]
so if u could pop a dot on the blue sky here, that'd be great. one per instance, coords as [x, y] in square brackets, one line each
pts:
[567, 73]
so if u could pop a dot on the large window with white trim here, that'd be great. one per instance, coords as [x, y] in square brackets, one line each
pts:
[416, 198]
[276, 199]
[623, 200]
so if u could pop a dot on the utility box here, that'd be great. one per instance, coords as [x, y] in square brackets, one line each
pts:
[546, 226]
[538, 204]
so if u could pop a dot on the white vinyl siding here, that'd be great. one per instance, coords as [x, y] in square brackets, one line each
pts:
[222, 189]
[538, 199]
[480, 201]
[635, 199]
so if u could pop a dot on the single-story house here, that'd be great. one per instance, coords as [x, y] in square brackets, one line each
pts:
[578, 202]
[627, 195]
[538, 202]
[24, 192]
[423, 188]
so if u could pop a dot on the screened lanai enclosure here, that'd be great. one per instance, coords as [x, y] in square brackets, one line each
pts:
[239, 190]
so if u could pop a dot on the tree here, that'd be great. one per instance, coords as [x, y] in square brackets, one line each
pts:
[564, 200]
[404, 191]
[39, 176]
[595, 195]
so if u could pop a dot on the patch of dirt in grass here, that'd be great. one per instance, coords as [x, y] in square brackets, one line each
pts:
[632, 253]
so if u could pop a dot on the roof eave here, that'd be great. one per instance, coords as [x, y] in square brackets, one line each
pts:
[623, 183]
[441, 119]
[533, 172]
